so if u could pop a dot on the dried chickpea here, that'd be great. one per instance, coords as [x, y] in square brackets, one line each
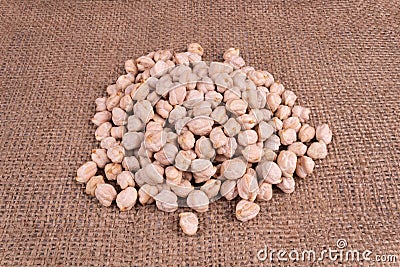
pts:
[305, 166]
[86, 171]
[287, 161]
[92, 184]
[246, 210]
[317, 150]
[112, 170]
[298, 148]
[188, 222]
[288, 136]
[126, 199]
[125, 179]
[105, 193]
[323, 133]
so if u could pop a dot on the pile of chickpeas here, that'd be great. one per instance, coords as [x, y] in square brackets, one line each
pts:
[182, 132]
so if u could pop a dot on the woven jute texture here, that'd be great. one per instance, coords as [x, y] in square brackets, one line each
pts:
[341, 58]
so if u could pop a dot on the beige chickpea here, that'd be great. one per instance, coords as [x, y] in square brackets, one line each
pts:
[305, 166]
[298, 148]
[204, 148]
[236, 62]
[147, 193]
[100, 157]
[247, 187]
[101, 117]
[167, 154]
[287, 136]
[211, 188]
[230, 53]
[126, 199]
[287, 161]
[177, 95]
[229, 189]
[118, 132]
[264, 192]
[283, 112]
[186, 140]
[237, 106]
[112, 170]
[292, 123]
[323, 133]
[287, 185]
[101, 104]
[188, 222]
[247, 121]
[289, 98]
[144, 62]
[166, 201]
[105, 193]
[119, 116]
[181, 189]
[268, 155]
[301, 112]
[273, 101]
[277, 88]
[155, 140]
[276, 123]
[130, 67]
[173, 174]
[202, 170]
[257, 77]
[247, 137]
[123, 82]
[264, 131]
[317, 150]
[126, 103]
[232, 127]
[269, 79]
[200, 125]
[163, 108]
[273, 143]
[108, 142]
[246, 210]
[198, 201]
[181, 58]
[233, 169]
[125, 179]
[92, 184]
[228, 150]
[103, 131]
[269, 171]
[163, 55]
[113, 101]
[306, 133]
[86, 171]
[195, 48]
[253, 153]
[218, 138]
[159, 69]
[112, 90]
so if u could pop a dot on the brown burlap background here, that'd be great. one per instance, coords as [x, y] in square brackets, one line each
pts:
[342, 59]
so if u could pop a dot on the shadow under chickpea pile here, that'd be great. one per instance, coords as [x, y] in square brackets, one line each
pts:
[182, 132]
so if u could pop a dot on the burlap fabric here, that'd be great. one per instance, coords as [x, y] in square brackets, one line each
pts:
[341, 58]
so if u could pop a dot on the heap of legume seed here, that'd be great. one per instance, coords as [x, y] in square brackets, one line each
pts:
[179, 131]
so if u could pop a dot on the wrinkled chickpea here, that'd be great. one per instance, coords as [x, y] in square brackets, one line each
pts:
[306, 133]
[101, 117]
[106, 194]
[317, 150]
[298, 148]
[301, 112]
[126, 199]
[125, 179]
[147, 193]
[188, 222]
[247, 187]
[270, 172]
[305, 166]
[288, 136]
[92, 184]
[246, 210]
[86, 171]
[287, 161]
[323, 133]
[265, 192]
[186, 140]
[112, 170]
[116, 154]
